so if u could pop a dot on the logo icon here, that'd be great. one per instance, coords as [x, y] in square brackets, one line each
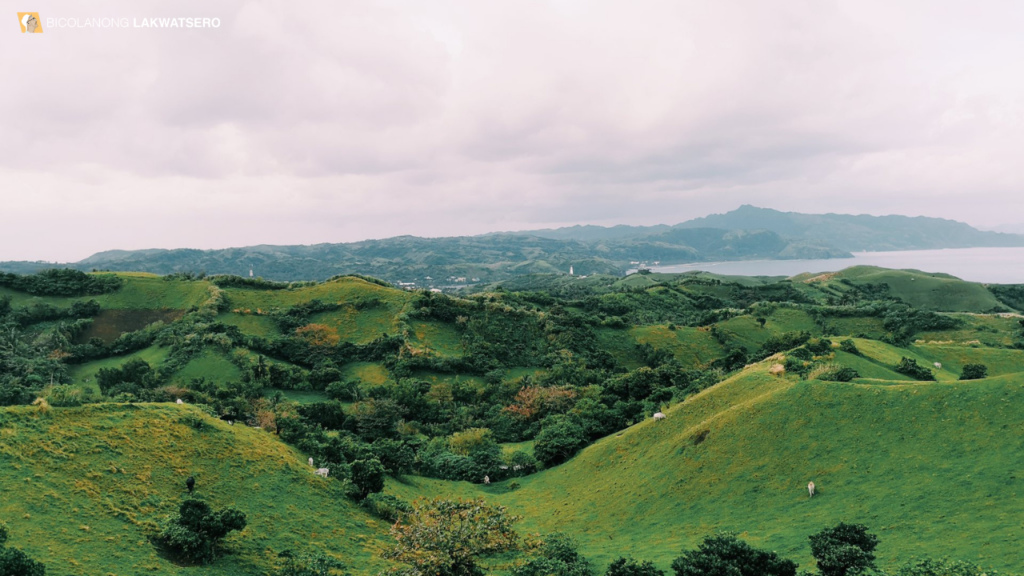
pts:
[30, 22]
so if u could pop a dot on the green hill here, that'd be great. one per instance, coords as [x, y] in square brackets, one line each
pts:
[85, 487]
[932, 468]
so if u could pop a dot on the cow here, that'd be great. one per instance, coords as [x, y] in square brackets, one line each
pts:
[810, 489]
[180, 401]
[322, 472]
[310, 462]
[190, 483]
[487, 479]
[659, 416]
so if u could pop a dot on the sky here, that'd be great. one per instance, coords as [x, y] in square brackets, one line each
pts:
[302, 123]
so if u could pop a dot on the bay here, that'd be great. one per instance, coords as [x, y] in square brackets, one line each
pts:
[986, 265]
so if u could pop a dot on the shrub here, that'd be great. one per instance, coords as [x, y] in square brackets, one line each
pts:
[844, 550]
[849, 347]
[726, 554]
[310, 564]
[974, 372]
[194, 534]
[14, 562]
[368, 476]
[386, 506]
[911, 368]
[942, 567]
[64, 396]
[631, 567]
[559, 556]
[558, 441]
[832, 372]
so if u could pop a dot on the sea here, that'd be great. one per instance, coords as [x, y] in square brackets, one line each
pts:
[986, 265]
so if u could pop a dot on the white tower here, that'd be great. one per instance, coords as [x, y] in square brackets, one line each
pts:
[570, 271]
[250, 271]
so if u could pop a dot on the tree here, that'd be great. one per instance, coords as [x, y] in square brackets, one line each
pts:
[974, 372]
[631, 567]
[310, 564]
[368, 476]
[14, 562]
[910, 367]
[559, 556]
[196, 531]
[760, 320]
[726, 555]
[447, 537]
[844, 550]
[941, 567]
[559, 440]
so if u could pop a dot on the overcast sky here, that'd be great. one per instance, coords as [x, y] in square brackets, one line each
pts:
[299, 123]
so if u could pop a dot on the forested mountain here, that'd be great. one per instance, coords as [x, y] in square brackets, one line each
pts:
[745, 233]
[489, 257]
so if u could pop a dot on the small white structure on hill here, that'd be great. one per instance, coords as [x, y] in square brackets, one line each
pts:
[659, 416]
[570, 271]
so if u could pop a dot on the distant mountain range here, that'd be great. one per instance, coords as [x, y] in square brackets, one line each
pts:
[746, 233]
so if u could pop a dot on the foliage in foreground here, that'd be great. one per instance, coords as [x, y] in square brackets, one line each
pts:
[447, 537]
[14, 562]
[844, 550]
[194, 534]
[726, 555]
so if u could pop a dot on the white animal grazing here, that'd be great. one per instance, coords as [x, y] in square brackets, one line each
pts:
[322, 472]
[310, 461]
[810, 489]
[179, 401]
[938, 365]
[659, 416]
[487, 479]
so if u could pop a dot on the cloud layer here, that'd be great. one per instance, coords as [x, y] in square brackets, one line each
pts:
[338, 121]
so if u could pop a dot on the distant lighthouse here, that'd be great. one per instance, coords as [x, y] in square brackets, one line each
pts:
[250, 271]
[570, 271]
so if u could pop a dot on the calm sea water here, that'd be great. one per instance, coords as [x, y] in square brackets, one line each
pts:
[990, 265]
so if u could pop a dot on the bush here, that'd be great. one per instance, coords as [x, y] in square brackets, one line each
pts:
[832, 372]
[849, 347]
[386, 506]
[942, 567]
[631, 567]
[367, 476]
[911, 368]
[844, 550]
[14, 562]
[559, 556]
[974, 372]
[194, 534]
[726, 554]
[558, 441]
[62, 282]
[64, 396]
[310, 564]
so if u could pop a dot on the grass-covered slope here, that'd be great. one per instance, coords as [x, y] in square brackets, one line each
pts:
[933, 468]
[83, 487]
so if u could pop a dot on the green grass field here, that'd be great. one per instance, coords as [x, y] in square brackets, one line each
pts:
[940, 292]
[929, 467]
[84, 487]
[213, 366]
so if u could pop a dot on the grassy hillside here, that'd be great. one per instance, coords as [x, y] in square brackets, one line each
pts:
[83, 488]
[939, 292]
[932, 468]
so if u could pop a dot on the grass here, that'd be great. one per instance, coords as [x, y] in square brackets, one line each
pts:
[929, 467]
[84, 487]
[369, 373]
[86, 373]
[301, 396]
[439, 338]
[347, 289]
[888, 355]
[940, 292]
[213, 366]
[251, 324]
[139, 292]
[692, 347]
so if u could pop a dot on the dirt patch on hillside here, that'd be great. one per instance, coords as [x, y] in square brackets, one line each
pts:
[110, 324]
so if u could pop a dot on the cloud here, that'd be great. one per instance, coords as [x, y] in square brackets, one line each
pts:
[337, 121]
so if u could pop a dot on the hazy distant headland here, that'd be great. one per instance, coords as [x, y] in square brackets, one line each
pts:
[747, 233]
